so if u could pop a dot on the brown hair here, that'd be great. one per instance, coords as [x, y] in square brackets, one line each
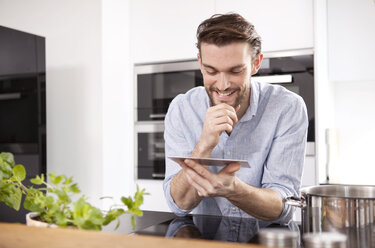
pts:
[224, 29]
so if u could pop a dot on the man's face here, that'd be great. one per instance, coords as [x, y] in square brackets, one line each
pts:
[226, 72]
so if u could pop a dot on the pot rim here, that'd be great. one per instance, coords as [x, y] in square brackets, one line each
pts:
[350, 191]
[30, 221]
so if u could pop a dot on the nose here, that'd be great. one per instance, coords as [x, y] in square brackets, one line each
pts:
[223, 82]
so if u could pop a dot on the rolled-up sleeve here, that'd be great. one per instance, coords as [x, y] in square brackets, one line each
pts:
[284, 165]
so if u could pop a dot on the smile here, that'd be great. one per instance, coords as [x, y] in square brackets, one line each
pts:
[225, 94]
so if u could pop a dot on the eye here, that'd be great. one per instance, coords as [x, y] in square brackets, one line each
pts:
[211, 72]
[236, 71]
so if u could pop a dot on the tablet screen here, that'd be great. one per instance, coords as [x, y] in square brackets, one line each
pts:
[212, 161]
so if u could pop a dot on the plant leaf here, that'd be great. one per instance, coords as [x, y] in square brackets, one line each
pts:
[5, 170]
[112, 215]
[68, 181]
[38, 180]
[128, 201]
[8, 158]
[61, 219]
[35, 200]
[86, 216]
[133, 222]
[19, 172]
[56, 179]
[11, 195]
[137, 212]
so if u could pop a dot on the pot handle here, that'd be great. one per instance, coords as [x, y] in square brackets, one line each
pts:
[295, 201]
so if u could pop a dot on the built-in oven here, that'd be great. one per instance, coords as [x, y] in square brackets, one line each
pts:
[295, 71]
[157, 84]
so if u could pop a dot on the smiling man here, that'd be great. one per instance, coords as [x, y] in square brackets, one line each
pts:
[233, 117]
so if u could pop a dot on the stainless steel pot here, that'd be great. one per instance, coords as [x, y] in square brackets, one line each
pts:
[348, 209]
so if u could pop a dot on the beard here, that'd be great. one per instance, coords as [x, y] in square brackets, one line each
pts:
[243, 94]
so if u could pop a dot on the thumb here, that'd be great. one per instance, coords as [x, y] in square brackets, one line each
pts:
[231, 168]
[237, 108]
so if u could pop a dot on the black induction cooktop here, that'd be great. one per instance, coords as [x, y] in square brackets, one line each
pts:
[208, 227]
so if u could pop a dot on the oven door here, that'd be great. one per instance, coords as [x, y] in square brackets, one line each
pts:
[295, 73]
[301, 83]
[150, 154]
[158, 84]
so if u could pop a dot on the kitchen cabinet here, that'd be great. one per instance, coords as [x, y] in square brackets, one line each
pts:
[283, 25]
[309, 177]
[17, 53]
[165, 30]
[351, 40]
[22, 105]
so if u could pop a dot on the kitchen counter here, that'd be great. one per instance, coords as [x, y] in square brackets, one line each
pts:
[19, 235]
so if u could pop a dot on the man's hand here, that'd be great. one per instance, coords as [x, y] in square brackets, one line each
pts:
[199, 182]
[218, 119]
[208, 184]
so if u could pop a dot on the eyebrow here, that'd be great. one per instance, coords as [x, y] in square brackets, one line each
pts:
[230, 69]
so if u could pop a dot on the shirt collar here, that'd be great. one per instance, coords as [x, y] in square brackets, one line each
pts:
[254, 99]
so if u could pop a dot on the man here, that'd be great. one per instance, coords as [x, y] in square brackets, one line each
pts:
[233, 117]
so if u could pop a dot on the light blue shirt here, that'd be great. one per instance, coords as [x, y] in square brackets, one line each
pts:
[271, 136]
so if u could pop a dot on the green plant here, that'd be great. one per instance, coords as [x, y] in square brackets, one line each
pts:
[53, 200]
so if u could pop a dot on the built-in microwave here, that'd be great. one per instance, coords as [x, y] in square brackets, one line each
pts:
[158, 83]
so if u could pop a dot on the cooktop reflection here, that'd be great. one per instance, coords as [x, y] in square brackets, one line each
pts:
[221, 228]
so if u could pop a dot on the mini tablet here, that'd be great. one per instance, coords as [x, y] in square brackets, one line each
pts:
[213, 161]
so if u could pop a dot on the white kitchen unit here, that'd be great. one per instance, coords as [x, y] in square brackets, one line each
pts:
[283, 25]
[165, 30]
[309, 176]
[351, 39]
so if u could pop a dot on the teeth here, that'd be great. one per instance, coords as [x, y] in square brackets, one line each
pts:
[225, 94]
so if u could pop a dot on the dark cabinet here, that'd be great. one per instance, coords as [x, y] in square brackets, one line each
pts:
[22, 105]
[17, 52]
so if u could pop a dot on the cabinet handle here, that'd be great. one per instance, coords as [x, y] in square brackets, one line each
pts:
[277, 79]
[154, 116]
[10, 96]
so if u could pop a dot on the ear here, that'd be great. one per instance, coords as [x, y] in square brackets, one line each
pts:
[200, 62]
[199, 59]
[256, 63]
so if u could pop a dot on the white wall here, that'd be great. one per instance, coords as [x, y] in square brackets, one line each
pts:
[74, 91]
[118, 98]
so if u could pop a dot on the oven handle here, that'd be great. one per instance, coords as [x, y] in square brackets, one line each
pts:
[154, 116]
[158, 175]
[275, 79]
[10, 96]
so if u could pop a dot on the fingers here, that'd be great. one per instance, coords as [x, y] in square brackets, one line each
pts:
[218, 119]
[231, 168]
[200, 170]
[198, 177]
[222, 110]
[196, 182]
[208, 184]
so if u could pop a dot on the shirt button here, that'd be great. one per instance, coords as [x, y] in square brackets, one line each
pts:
[233, 227]
[234, 209]
[228, 152]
